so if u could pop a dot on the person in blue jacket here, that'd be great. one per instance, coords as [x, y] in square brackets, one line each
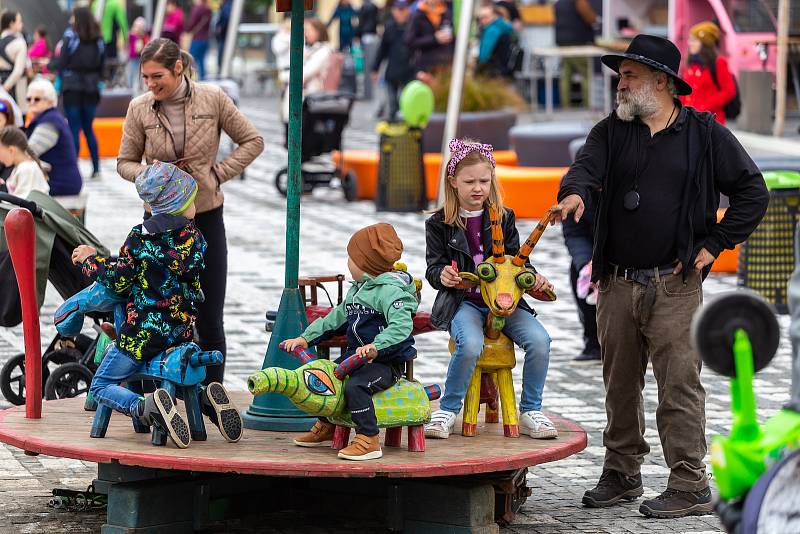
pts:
[346, 15]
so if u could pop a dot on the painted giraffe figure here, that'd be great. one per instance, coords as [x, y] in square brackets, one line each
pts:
[502, 280]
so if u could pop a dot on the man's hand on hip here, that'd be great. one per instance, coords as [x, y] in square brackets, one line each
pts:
[704, 258]
[570, 203]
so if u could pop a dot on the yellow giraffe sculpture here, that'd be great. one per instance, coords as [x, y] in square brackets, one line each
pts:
[502, 280]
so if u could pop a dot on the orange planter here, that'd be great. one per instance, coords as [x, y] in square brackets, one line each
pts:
[530, 191]
[728, 260]
[108, 131]
[364, 164]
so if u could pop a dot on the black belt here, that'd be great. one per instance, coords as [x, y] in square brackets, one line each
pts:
[642, 276]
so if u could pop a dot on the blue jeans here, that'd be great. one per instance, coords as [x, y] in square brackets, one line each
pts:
[522, 327]
[134, 76]
[116, 367]
[198, 50]
[81, 118]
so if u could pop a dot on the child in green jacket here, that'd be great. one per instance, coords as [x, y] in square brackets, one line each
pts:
[377, 314]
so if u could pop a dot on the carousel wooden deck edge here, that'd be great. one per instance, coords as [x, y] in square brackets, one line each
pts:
[575, 443]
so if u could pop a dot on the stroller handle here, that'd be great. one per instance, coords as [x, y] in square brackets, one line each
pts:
[22, 203]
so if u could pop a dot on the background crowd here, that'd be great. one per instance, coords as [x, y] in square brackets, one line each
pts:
[52, 85]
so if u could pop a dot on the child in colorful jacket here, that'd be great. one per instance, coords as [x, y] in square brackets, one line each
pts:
[377, 313]
[158, 272]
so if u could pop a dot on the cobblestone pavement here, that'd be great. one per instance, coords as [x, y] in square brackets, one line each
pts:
[255, 221]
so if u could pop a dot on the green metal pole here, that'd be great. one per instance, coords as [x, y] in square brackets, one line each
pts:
[295, 145]
[271, 411]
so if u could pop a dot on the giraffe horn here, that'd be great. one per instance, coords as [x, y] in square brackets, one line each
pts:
[498, 243]
[527, 247]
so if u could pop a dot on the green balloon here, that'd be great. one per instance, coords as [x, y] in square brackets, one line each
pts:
[416, 104]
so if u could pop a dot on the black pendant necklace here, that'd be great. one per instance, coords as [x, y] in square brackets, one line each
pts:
[632, 198]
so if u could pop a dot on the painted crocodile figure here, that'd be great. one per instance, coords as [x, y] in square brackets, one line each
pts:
[317, 388]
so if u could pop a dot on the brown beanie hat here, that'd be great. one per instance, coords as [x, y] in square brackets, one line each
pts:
[374, 249]
[706, 32]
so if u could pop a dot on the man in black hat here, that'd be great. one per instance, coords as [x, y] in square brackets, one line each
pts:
[659, 169]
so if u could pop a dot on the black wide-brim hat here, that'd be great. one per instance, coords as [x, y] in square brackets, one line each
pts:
[655, 52]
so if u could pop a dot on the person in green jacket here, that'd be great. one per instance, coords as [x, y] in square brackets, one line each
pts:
[112, 20]
[377, 314]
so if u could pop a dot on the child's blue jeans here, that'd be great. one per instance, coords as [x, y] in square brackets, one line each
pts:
[115, 368]
[522, 327]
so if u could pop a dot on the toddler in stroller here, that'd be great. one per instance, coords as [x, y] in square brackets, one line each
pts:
[68, 363]
[325, 116]
[157, 277]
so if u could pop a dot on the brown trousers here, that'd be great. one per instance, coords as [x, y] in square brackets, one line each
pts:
[639, 323]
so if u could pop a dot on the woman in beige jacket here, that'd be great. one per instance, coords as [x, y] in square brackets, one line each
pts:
[179, 121]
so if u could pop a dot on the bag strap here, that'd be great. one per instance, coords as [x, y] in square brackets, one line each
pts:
[4, 42]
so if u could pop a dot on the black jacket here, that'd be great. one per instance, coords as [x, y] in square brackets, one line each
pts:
[367, 19]
[393, 49]
[571, 29]
[717, 164]
[80, 64]
[445, 243]
[426, 52]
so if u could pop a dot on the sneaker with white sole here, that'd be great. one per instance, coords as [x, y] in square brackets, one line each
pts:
[537, 425]
[442, 423]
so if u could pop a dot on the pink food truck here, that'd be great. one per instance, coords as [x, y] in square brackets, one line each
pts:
[748, 29]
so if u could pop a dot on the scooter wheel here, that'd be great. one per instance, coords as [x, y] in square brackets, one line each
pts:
[714, 326]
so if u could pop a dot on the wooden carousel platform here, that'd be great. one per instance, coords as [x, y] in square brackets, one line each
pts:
[482, 478]
[64, 428]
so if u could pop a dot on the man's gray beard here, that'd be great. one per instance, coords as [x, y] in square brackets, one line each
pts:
[641, 103]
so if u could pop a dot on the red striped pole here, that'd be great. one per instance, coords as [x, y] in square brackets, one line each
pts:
[21, 239]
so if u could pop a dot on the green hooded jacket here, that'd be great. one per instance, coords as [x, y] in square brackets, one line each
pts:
[375, 310]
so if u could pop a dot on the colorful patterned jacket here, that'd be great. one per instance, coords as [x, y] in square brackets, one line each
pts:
[158, 270]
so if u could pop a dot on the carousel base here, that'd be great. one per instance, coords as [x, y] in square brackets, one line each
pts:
[458, 485]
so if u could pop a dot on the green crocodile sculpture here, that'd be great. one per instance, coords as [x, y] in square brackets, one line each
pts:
[317, 388]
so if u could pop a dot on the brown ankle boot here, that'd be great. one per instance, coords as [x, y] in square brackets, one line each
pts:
[319, 434]
[362, 448]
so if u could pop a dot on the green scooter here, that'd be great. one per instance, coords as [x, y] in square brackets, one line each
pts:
[737, 335]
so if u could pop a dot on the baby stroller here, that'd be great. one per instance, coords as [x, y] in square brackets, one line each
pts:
[68, 363]
[325, 116]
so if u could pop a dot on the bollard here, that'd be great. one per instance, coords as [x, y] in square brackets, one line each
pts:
[21, 239]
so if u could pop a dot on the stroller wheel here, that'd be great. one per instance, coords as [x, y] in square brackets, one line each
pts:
[282, 181]
[349, 186]
[67, 381]
[12, 379]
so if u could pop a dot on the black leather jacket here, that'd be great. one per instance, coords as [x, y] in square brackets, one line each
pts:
[445, 243]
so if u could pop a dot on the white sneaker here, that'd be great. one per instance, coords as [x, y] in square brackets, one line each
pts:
[537, 425]
[442, 423]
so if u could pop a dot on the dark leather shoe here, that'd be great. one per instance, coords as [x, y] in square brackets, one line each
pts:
[613, 487]
[674, 503]
[587, 357]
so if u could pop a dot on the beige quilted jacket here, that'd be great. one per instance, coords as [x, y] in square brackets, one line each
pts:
[147, 134]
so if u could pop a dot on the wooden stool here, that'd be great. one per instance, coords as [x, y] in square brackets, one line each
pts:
[180, 371]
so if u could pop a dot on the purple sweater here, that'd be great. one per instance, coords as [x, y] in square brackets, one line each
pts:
[199, 22]
[474, 232]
